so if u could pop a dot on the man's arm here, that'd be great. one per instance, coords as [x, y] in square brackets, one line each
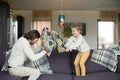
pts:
[30, 54]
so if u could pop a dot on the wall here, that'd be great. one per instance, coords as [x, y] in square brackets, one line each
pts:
[88, 17]
[28, 18]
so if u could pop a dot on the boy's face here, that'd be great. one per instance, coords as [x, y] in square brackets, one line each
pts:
[75, 32]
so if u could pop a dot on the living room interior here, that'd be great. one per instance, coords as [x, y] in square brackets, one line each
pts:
[101, 23]
[77, 11]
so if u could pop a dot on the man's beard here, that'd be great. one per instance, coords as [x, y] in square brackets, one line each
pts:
[31, 43]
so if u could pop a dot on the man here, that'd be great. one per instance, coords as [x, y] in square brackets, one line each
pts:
[20, 52]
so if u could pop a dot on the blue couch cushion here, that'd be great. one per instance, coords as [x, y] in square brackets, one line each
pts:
[60, 62]
[6, 76]
[56, 76]
[99, 76]
[91, 67]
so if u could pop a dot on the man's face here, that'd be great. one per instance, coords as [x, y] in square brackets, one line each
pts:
[34, 41]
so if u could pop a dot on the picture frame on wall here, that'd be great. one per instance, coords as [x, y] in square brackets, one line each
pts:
[67, 29]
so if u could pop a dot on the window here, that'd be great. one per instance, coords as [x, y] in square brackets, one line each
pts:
[39, 25]
[105, 34]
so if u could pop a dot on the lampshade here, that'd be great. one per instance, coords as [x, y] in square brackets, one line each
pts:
[61, 20]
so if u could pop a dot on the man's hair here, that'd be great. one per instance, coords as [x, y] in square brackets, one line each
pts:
[32, 34]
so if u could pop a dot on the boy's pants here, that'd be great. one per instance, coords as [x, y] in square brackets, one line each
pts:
[79, 63]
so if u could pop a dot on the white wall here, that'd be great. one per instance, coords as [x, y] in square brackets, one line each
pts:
[27, 16]
[88, 17]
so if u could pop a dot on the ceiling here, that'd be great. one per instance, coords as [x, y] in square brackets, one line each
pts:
[65, 4]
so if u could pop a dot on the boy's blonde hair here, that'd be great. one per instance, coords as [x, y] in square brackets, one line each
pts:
[77, 26]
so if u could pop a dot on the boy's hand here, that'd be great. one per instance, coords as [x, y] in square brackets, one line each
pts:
[67, 50]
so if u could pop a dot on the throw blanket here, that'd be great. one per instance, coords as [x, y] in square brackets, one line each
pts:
[105, 58]
[52, 40]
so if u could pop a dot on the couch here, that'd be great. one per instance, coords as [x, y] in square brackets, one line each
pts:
[63, 68]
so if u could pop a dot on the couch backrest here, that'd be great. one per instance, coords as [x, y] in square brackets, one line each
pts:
[64, 63]
[60, 62]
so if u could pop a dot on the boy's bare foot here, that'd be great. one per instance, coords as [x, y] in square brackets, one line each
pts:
[83, 75]
[77, 75]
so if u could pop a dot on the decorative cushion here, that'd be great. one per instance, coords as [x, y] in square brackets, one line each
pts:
[60, 44]
[42, 64]
[52, 40]
[106, 58]
[47, 41]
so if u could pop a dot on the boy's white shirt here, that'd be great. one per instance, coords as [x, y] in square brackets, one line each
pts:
[77, 43]
[21, 51]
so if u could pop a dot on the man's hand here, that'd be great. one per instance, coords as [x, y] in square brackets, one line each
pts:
[46, 49]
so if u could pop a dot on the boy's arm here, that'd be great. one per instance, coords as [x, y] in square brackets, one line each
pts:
[70, 45]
